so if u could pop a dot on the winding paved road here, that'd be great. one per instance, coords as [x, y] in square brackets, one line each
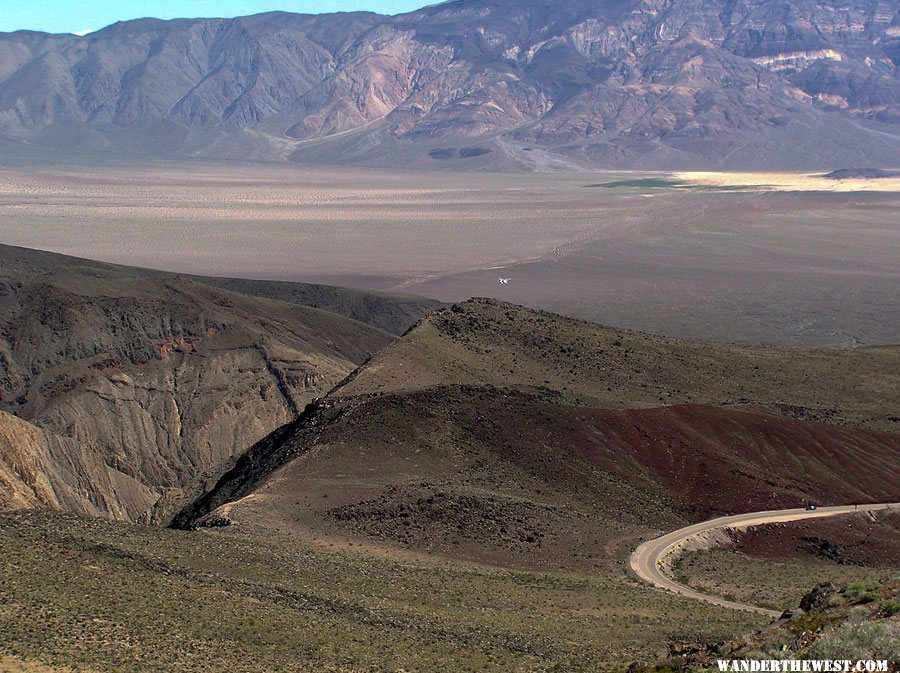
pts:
[646, 561]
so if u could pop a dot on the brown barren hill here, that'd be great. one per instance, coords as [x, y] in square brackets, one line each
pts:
[394, 313]
[133, 389]
[498, 433]
[497, 343]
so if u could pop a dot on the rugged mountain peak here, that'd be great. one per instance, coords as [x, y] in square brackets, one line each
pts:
[644, 83]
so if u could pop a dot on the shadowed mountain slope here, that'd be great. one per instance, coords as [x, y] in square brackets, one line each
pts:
[390, 312]
[502, 434]
[123, 390]
[478, 83]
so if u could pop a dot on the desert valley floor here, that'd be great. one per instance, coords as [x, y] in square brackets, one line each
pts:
[784, 259]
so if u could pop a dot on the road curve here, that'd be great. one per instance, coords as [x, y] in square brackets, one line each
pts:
[646, 561]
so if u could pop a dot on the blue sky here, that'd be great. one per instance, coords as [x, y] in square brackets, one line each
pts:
[72, 16]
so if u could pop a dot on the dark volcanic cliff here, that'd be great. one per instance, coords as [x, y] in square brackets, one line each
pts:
[482, 83]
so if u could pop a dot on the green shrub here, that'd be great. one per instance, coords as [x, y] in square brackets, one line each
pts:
[860, 640]
[889, 608]
[855, 589]
[807, 622]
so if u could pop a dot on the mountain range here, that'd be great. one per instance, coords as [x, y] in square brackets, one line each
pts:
[502, 84]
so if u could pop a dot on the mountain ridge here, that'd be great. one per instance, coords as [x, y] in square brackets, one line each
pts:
[634, 83]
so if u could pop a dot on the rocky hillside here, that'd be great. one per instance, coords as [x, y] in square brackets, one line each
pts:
[123, 392]
[479, 83]
[502, 434]
[871, 541]
[856, 622]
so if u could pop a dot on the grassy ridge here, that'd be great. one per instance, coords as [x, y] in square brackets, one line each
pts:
[487, 342]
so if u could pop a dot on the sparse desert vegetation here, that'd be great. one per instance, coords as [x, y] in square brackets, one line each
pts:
[860, 641]
[832, 622]
[774, 584]
[465, 501]
[114, 599]
[774, 565]
[419, 343]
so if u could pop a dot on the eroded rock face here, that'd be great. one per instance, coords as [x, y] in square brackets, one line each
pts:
[127, 392]
[645, 82]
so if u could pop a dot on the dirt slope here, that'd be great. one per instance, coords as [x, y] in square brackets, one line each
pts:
[498, 433]
[861, 540]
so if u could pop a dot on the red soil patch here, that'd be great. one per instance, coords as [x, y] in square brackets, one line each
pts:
[854, 539]
[493, 454]
[715, 460]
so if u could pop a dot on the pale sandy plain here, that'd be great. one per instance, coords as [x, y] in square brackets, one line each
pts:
[768, 258]
[787, 182]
